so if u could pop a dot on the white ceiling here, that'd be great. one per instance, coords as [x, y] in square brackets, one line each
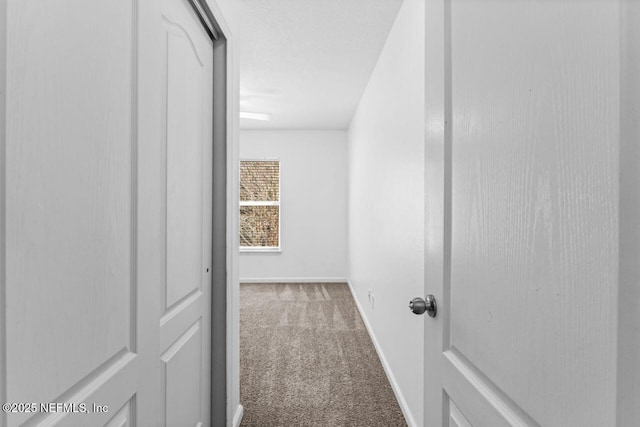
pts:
[307, 62]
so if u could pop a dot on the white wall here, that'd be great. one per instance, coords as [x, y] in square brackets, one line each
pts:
[386, 204]
[313, 187]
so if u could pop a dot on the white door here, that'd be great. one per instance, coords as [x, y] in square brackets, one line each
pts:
[103, 314]
[185, 328]
[522, 184]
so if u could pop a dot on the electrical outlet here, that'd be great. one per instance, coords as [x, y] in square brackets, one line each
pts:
[369, 296]
[373, 301]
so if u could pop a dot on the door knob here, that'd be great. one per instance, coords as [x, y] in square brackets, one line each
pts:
[428, 304]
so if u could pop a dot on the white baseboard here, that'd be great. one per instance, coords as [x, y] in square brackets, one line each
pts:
[237, 418]
[294, 280]
[387, 370]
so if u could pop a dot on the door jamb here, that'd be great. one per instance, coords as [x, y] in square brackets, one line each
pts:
[219, 241]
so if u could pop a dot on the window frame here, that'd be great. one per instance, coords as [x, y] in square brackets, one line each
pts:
[278, 203]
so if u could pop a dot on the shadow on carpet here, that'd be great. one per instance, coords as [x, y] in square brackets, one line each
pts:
[306, 359]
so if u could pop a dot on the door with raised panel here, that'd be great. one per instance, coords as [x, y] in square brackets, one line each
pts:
[522, 184]
[105, 227]
[187, 139]
[76, 347]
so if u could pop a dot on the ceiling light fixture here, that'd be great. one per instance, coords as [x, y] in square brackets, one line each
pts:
[255, 116]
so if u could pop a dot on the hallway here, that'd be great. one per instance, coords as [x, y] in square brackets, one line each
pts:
[479, 155]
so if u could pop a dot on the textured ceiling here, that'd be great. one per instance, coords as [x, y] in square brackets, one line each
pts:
[307, 62]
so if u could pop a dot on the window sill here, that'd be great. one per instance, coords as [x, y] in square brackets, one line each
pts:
[249, 250]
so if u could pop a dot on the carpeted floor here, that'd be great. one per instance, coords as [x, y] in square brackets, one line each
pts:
[306, 359]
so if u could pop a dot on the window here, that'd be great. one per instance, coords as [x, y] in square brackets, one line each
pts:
[260, 205]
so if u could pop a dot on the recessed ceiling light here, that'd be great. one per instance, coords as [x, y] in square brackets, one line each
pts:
[255, 116]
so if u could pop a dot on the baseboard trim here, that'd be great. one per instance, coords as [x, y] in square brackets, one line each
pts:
[237, 418]
[385, 365]
[294, 280]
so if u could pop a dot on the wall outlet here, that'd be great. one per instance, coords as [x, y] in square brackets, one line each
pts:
[373, 301]
[369, 296]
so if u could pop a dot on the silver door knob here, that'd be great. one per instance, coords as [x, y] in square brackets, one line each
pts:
[428, 304]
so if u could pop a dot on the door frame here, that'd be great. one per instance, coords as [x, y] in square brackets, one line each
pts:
[222, 243]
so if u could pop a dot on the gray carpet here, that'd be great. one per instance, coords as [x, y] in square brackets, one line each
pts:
[306, 359]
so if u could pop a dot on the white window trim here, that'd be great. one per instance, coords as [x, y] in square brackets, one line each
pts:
[263, 249]
[251, 203]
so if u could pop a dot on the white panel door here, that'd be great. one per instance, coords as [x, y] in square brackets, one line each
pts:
[522, 185]
[105, 174]
[187, 138]
[71, 321]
